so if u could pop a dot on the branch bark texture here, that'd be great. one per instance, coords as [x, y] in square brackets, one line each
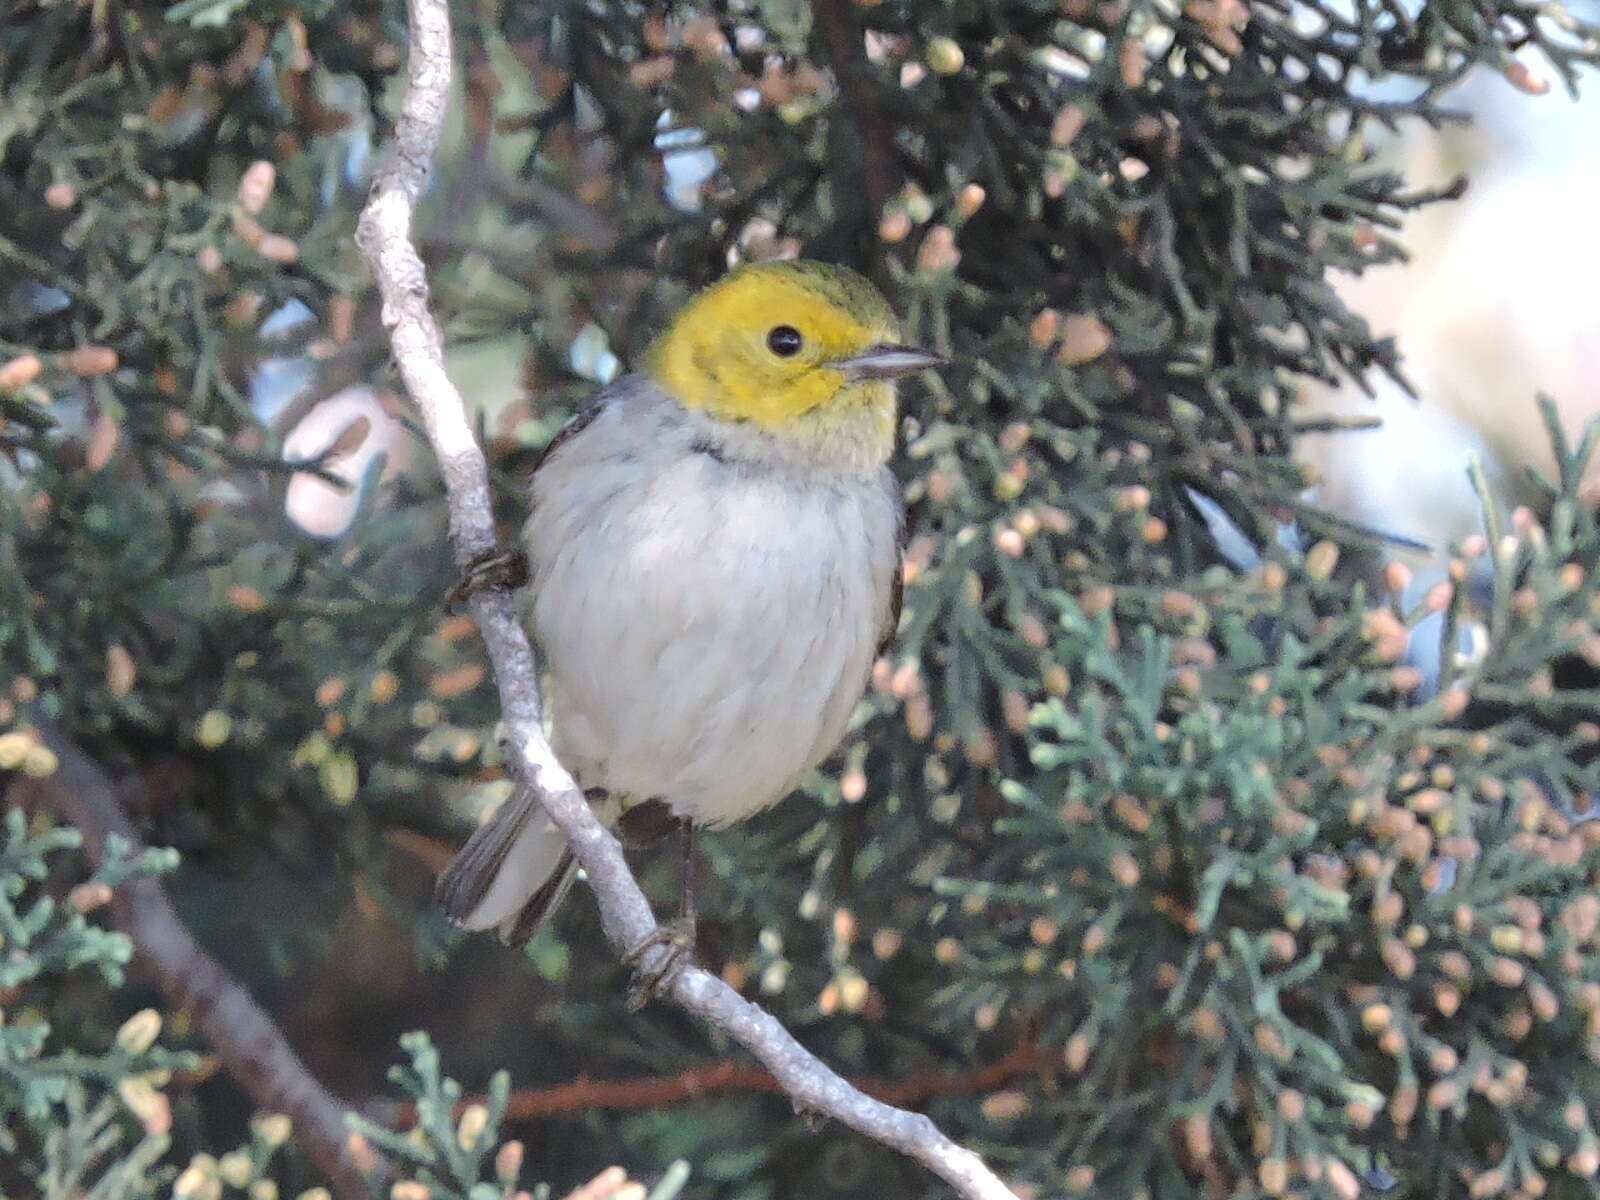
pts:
[1026, 1061]
[841, 39]
[246, 1041]
[384, 235]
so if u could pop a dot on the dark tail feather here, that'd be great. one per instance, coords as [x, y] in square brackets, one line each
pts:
[466, 880]
[541, 906]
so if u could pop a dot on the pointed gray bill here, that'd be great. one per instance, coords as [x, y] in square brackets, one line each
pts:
[887, 362]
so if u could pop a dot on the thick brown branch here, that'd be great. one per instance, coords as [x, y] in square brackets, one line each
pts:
[841, 39]
[384, 235]
[246, 1041]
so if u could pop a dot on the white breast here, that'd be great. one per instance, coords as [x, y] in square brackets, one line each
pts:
[708, 622]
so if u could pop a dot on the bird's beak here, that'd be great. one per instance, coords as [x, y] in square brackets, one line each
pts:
[887, 362]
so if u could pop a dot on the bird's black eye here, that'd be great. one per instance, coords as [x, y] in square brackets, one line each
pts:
[784, 341]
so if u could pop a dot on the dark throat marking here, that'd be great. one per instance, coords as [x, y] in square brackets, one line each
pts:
[710, 449]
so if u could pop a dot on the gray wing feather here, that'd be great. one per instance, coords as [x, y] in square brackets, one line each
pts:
[466, 880]
[576, 424]
[541, 906]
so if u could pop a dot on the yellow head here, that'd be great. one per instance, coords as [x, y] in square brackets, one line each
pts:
[802, 351]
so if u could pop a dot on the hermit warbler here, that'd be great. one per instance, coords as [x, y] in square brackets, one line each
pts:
[714, 554]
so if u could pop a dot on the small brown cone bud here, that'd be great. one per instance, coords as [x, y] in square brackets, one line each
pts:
[1068, 124]
[90, 361]
[255, 186]
[87, 897]
[895, 226]
[103, 439]
[1133, 61]
[1321, 559]
[938, 252]
[1076, 1054]
[1397, 576]
[120, 671]
[1085, 337]
[1274, 1176]
[1525, 79]
[19, 372]
[1343, 1180]
[274, 247]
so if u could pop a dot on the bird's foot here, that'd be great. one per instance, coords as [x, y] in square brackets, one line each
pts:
[676, 940]
[497, 568]
[814, 1119]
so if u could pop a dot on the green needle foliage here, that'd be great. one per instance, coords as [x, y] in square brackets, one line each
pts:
[65, 1093]
[1273, 882]
[86, 1115]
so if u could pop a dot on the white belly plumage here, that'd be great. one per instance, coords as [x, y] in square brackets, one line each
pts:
[707, 622]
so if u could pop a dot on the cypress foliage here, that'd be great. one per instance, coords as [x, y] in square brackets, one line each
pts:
[1274, 881]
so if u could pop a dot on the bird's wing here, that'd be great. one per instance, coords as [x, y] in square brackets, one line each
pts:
[897, 579]
[576, 424]
[634, 391]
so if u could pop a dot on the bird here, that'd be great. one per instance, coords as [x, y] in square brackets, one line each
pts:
[714, 564]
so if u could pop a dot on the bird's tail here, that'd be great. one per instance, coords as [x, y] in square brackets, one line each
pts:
[512, 873]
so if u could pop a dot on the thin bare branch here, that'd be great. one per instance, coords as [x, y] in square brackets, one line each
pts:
[1026, 1061]
[384, 235]
[247, 1042]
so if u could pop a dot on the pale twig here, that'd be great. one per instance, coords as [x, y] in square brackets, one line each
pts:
[384, 235]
